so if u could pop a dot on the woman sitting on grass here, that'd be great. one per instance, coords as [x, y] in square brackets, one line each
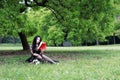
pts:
[38, 54]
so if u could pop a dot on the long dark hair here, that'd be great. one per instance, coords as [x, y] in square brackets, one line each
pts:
[34, 42]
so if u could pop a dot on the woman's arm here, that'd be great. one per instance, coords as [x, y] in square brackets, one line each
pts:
[39, 45]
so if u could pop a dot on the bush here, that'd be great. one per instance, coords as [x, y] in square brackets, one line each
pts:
[9, 39]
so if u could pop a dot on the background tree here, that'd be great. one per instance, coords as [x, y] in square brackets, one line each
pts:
[117, 21]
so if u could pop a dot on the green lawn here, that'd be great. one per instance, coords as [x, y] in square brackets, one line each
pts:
[76, 63]
[10, 47]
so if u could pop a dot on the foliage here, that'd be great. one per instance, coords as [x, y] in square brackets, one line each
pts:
[12, 20]
[82, 18]
[117, 29]
[8, 16]
[57, 36]
[117, 22]
[46, 26]
[74, 36]
[86, 16]
[97, 21]
[76, 20]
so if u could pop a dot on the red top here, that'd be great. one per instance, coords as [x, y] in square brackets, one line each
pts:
[43, 46]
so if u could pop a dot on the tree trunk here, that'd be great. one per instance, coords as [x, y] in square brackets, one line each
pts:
[97, 42]
[54, 43]
[114, 38]
[24, 41]
[14, 40]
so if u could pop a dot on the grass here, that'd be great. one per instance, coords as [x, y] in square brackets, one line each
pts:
[76, 63]
[10, 47]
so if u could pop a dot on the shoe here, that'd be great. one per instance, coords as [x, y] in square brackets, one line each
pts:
[56, 61]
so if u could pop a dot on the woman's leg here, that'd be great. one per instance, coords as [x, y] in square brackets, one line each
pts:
[48, 59]
[38, 56]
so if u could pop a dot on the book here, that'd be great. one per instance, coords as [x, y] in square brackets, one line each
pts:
[42, 46]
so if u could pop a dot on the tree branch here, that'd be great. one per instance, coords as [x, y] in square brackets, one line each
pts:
[36, 3]
[57, 15]
[43, 3]
[28, 5]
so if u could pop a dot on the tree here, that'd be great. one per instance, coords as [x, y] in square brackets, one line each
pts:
[12, 21]
[79, 20]
[117, 23]
[55, 36]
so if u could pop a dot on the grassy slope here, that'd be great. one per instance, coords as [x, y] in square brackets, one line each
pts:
[76, 63]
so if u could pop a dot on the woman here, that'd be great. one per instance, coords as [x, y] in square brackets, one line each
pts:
[39, 53]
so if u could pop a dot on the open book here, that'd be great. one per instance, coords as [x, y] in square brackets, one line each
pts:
[42, 46]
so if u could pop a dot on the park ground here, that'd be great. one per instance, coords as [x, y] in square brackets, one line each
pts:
[76, 63]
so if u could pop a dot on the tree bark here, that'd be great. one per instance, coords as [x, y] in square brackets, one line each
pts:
[24, 41]
[97, 42]
[114, 38]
